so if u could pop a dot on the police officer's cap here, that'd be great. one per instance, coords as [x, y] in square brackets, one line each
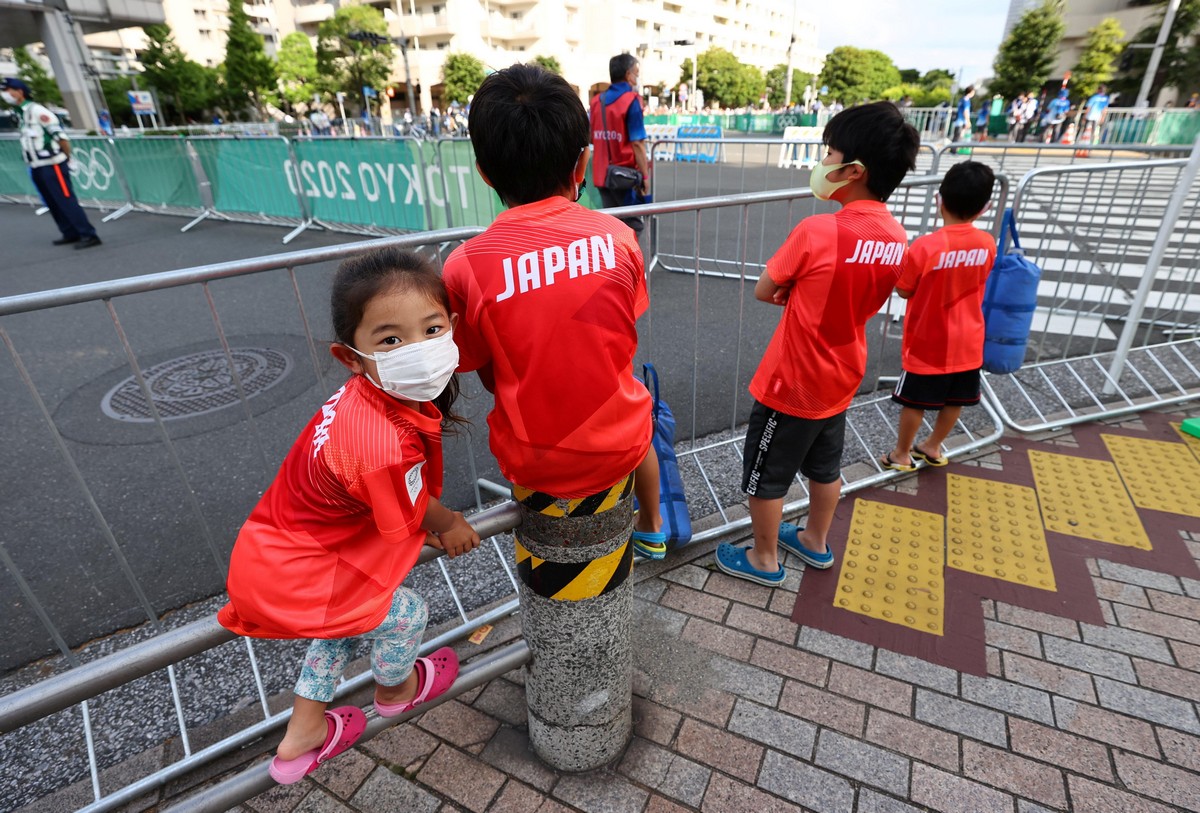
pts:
[13, 83]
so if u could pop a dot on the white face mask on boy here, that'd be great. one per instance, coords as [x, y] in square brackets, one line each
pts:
[820, 184]
[416, 372]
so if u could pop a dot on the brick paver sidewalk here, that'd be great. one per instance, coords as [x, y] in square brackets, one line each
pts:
[737, 708]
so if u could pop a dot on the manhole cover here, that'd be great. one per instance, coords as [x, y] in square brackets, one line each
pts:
[196, 384]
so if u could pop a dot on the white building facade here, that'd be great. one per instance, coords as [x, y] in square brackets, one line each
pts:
[581, 34]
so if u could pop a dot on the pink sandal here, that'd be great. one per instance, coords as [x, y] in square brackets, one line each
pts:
[345, 725]
[435, 675]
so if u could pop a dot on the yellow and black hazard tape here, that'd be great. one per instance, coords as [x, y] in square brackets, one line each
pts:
[597, 503]
[574, 581]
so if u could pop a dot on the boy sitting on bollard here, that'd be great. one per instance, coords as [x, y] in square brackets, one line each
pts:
[834, 272]
[547, 301]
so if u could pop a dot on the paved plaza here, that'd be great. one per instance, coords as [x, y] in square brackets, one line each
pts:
[1075, 688]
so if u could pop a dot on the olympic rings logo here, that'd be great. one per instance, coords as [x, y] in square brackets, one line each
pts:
[93, 169]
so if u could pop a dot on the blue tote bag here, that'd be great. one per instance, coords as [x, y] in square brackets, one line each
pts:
[1009, 300]
[677, 525]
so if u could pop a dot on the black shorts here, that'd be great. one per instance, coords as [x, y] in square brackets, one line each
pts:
[778, 445]
[937, 391]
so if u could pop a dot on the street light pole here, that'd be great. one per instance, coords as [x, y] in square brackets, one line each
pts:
[787, 85]
[1143, 97]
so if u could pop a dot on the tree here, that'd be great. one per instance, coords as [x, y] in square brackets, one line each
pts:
[856, 75]
[297, 69]
[777, 85]
[1180, 65]
[910, 76]
[248, 69]
[1097, 62]
[549, 63]
[723, 79]
[1027, 55]
[116, 99]
[349, 65]
[186, 88]
[462, 75]
[937, 78]
[44, 88]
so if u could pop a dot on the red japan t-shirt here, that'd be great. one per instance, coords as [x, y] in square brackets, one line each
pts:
[841, 269]
[946, 273]
[547, 301]
[339, 529]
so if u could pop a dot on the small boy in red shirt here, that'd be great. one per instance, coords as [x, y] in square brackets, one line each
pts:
[943, 279]
[834, 272]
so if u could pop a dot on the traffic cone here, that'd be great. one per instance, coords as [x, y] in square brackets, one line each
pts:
[1068, 136]
[1087, 137]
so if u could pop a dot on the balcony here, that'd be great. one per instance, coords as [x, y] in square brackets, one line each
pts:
[427, 24]
[506, 28]
[314, 13]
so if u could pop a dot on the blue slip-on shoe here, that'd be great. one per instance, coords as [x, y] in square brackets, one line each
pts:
[733, 561]
[650, 544]
[789, 540]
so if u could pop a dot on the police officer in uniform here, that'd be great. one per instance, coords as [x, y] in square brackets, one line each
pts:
[47, 151]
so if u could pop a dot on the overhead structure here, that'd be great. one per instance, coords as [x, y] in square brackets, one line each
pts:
[60, 26]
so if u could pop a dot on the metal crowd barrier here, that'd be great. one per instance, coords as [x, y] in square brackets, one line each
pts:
[1017, 158]
[721, 249]
[1100, 229]
[1118, 312]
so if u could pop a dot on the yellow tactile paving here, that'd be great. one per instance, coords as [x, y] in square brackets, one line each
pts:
[1086, 498]
[995, 529]
[894, 566]
[1193, 443]
[1161, 475]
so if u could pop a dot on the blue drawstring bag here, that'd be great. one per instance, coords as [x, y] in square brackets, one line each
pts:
[677, 525]
[1009, 300]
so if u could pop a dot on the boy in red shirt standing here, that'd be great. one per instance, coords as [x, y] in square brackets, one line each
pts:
[834, 272]
[943, 279]
[547, 301]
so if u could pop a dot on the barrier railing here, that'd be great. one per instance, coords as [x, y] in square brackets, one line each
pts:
[1118, 306]
[1018, 158]
[720, 249]
[217, 310]
[273, 196]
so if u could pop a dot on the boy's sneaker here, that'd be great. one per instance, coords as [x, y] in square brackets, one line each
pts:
[789, 540]
[650, 544]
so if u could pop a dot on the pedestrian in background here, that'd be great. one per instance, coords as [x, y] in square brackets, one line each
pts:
[619, 137]
[47, 151]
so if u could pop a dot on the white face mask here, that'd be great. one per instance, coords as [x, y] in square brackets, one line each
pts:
[8, 97]
[416, 372]
[820, 184]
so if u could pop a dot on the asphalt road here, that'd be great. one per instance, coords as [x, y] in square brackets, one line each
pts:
[129, 529]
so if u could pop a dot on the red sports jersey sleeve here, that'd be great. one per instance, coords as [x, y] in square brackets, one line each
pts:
[339, 528]
[841, 269]
[549, 296]
[946, 273]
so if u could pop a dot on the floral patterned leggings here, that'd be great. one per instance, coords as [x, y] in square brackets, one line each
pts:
[393, 653]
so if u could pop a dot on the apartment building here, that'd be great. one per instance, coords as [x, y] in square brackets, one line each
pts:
[581, 34]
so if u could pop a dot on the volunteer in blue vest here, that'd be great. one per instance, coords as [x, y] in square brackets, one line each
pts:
[47, 151]
[620, 139]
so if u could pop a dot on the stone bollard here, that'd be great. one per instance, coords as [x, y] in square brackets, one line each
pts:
[574, 558]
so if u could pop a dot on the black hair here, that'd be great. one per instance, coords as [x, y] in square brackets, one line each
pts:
[528, 129]
[970, 89]
[360, 279]
[967, 188]
[619, 66]
[877, 135]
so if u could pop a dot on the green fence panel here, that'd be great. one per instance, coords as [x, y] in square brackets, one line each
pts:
[1128, 131]
[363, 181]
[158, 172]
[1176, 127]
[96, 176]
[14, 174]
[250, 175]
[457, 194]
